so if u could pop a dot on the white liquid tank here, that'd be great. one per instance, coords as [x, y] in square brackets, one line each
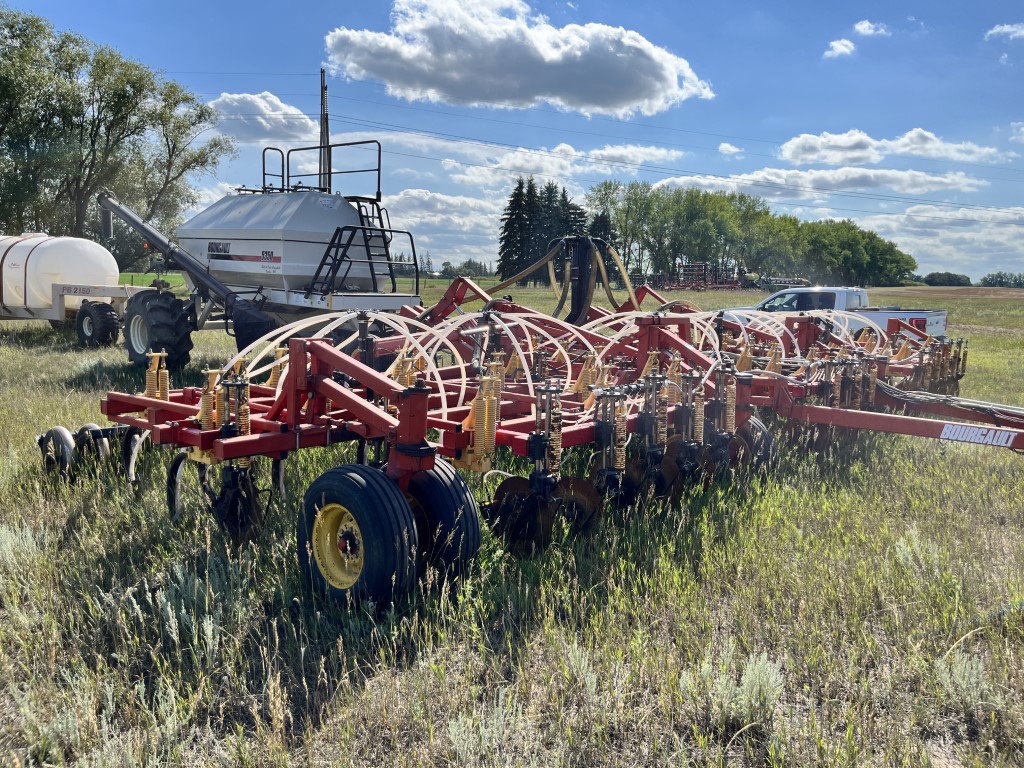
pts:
[31, 264]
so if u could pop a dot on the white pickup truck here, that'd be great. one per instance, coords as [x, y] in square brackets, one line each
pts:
[854, 301]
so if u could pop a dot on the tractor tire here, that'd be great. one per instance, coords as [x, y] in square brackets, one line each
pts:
[447, 519]
[156, 321]
[96, 324]
[357, 537]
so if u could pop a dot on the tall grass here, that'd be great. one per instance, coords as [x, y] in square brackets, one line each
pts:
[863, 608]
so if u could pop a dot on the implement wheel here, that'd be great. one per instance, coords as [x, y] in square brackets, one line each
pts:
[447, 518]
[58, 448]
[155, 321]
[752, 448]
[522, 519]
[356, 536]
[96, 324]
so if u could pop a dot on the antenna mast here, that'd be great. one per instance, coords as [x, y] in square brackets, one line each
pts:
[325, 136]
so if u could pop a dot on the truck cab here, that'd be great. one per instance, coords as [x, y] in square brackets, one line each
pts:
[808, 299]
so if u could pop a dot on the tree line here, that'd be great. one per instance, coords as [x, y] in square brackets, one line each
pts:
[657, 230]
[1003, 280]
[75, 118]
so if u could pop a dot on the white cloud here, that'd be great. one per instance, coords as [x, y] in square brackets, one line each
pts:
[496, 53]
[1017, 132]
[450, 227]
[1009, 31]
[856, 147]
[871, 29]
[837, 48]
[263, 116]
[967, 241]
[729, 150]
[1004, 59]
[816, 184]
[632, 155]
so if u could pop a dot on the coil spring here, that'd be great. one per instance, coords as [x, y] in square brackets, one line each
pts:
[858, 386]
[872, 382]
[163, 384]
[151, 382]
[662, 420]
[206, 409]
[243, 429]
[555, 439]
[730, 405]
[618, 436]
[698, 414]
[837, 388]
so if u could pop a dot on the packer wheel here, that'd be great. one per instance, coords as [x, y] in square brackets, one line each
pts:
[58, 448]
[356, 536]
[447, 518]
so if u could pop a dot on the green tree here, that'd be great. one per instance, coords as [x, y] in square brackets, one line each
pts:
[513, 241]
[76, 117]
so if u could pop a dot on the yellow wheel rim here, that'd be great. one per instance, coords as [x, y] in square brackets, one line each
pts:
[338, 546]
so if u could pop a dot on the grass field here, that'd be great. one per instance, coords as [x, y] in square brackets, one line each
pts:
[860, 609]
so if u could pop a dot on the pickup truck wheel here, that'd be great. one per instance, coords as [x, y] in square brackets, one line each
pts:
[156, 321]
[96, 324]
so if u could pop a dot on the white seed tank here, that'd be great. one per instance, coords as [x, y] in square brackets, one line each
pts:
[31, 264]
[275, 241]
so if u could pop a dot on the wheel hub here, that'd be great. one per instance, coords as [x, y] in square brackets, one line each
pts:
[338, 546]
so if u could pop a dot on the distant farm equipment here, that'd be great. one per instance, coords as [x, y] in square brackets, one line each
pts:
[603, 408]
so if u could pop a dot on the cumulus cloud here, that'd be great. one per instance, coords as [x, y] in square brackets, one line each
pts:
[837, 48]
[871, 29]
[781, 183]
[1009, 31]
[856, 147]
[450, 227]
[1017, 132]
[965, 240]
[632, 155]
[497, 53]
[729, 150]
[263, 116]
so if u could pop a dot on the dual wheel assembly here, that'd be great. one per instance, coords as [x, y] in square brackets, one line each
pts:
[361, 539]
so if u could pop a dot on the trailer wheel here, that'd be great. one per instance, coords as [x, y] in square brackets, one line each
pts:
[96, 324]
[356, 536]
[157, 321]
[447, 518]
[58, 448]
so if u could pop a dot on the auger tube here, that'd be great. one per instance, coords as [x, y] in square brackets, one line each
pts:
[250, 322]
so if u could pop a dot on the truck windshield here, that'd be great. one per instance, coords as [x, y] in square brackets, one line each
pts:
[784, 302]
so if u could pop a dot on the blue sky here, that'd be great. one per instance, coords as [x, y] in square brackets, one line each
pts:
[906, 117]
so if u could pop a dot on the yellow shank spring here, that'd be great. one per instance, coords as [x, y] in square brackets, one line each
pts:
[618, 436]
[698, 414]
[244, 429]
[730, 404]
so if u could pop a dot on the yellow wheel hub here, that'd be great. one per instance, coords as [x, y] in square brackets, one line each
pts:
[338, 546]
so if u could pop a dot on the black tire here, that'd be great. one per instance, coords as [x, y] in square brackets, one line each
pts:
[752, 447]
[58, 448]
[447, 518]
[156, 321]
[89, 450]
[357, 538]
[96, 324]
